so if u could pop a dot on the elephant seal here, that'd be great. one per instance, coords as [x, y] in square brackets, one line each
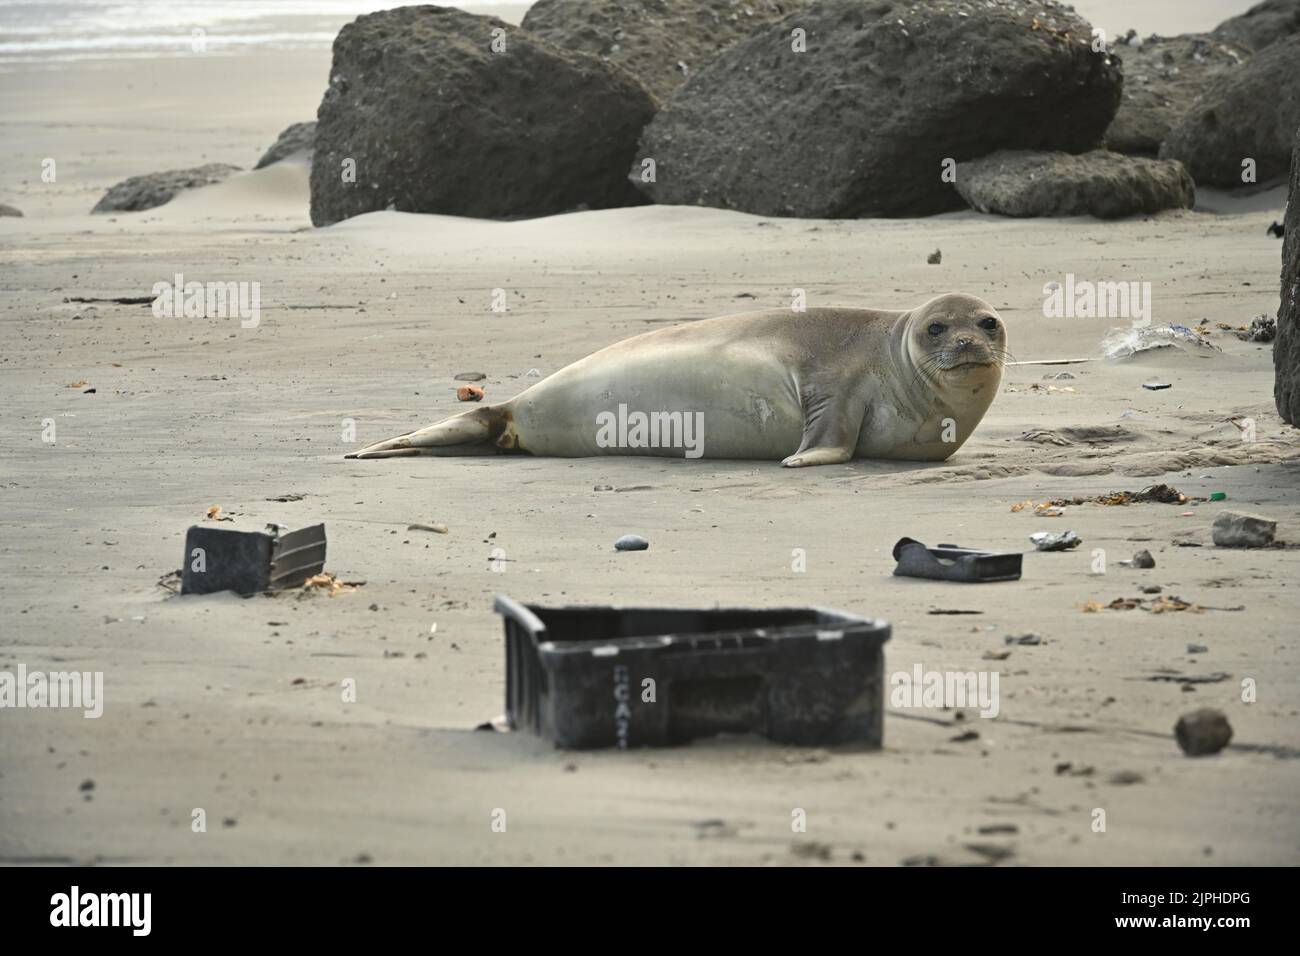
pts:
[808, 388]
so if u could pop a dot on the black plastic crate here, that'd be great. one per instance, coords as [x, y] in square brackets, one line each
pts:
[250, 561]
[574, 675]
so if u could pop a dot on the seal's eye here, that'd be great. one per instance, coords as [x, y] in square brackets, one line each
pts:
[936, 328]
[989, 323]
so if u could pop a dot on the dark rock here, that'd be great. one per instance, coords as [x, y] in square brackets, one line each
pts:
[1262, 24]
[1101, 184]
[1202, 732]
[1263, 328]
[155, 189]
[298, 138]
[861, 123]
[1163, 76]
[1248, 112]
[1286, 349]
[9, 211]
[436, 121]
[660, 42]
[1143, 559]
[631, 542]
[1235, 529]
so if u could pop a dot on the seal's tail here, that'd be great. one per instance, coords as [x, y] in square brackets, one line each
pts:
[474, 432]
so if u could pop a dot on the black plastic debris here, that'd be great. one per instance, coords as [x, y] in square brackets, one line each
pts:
[588, 677]
[218, 559]
[948, 562]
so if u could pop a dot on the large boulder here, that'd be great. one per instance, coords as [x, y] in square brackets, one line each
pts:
[155, 189]
[863, 122]
[1163, 76]
[1286, 349]
[1101, 184]
[1262, 24]
[660, 42]
[1247, 112]
[434, 119]
[296, 140]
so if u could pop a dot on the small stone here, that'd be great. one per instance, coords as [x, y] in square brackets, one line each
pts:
[1152, 589]
[631, 542]
[1202, 732]
[1026, 639]
[1143, 559]
[1156, 386]
[469, 377]
[1197, 649]
[1236, 529]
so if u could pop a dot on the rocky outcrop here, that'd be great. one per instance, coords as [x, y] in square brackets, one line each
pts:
[1163, 76]
[1101, 184]
[1249, 112]
[1262, 24]
[155, 189]
[1286, 348]
[296, 140]
[885, 97]
[660, 42]
[430, 109]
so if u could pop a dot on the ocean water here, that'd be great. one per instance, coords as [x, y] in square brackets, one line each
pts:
[37, 31]
[54, 30]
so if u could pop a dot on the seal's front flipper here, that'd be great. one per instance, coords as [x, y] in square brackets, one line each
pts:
[465, 434]
[830, 430]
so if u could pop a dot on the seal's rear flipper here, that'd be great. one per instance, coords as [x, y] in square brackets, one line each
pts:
[469, 433]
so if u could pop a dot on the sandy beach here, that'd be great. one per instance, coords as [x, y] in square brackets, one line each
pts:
[232, 705]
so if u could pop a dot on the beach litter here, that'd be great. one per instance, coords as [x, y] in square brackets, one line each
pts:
[948, 562]
[801, 676]
[1029, 640]
[1055, 540]
[1126, 341]
[1159, 494]
[469, 393]
[246, 562]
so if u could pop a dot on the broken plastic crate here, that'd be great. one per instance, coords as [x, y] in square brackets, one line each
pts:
[580, 676]
[218, 559]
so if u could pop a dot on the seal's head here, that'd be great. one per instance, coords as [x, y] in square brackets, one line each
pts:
[958, 341]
